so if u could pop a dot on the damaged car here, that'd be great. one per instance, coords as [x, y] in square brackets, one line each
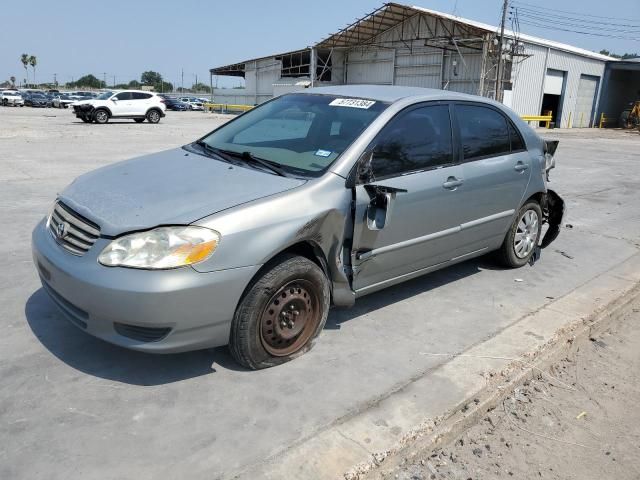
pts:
[249, 234]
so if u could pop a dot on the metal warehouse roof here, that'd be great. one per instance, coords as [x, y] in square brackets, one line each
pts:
[367, 28]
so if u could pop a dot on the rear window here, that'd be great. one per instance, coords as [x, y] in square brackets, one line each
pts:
[483, 132]
[140, 95]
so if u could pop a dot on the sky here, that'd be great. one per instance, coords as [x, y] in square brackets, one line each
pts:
[122, 39]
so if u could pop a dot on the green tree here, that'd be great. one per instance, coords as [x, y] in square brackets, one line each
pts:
[13, 81]
[150, 78]
[201, 87]
[88, 81]
[24, 58]
[624, 56]
[33, 61]
[134, 84]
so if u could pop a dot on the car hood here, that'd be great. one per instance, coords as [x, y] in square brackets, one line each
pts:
[172, 187]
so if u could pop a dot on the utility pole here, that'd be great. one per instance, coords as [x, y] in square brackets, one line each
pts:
[114, 81]
[55, 80]
[182, 80]
[498, 95]
[104, 78]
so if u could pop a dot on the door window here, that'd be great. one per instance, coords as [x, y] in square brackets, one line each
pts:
[517, 144]
[124, 96]
[483, 132]
[415, 140]
[140, 95]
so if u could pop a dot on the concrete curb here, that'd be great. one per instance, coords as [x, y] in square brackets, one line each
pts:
[481, 375]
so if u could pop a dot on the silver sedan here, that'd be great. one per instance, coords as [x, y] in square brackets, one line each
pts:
[247, 236]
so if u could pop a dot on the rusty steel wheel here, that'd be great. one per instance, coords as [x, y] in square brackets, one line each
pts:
[290, 318]
[282, 311]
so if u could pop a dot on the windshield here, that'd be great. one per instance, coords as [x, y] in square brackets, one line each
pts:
[104, 96]
[304, 132]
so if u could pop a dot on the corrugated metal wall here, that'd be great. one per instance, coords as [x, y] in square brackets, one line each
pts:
[528, 79]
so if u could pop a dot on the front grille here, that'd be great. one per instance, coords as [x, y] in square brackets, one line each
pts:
[77, 235]
[141, 334]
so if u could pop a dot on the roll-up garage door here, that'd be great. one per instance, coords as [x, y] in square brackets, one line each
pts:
[585, 100]
[553, 82]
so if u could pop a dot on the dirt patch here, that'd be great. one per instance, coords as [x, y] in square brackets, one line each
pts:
[578, 421]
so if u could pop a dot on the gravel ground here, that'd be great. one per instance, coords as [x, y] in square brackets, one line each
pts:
[578, 421]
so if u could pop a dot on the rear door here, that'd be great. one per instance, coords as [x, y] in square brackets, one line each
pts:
[416, 183]
[140, 103]
[496, 169]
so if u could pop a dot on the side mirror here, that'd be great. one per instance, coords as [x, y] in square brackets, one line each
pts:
[114, 100]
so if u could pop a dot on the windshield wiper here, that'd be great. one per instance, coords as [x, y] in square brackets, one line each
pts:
[250, 157]
[245, 156]
[209, 149]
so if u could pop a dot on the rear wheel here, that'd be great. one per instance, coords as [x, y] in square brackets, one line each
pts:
[523, 237]
[280, 314]
[138, 120]
[153, 116]
[101, 116]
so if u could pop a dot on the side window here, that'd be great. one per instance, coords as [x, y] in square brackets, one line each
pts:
[124, 96]
[483, 132]
[140, 95]
[419, 139]
[517, 143]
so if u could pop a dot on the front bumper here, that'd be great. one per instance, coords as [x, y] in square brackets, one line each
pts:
[193, 310]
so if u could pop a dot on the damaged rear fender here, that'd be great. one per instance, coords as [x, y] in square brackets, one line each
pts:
[553, 208]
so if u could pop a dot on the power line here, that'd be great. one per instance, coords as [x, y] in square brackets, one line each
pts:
[544, 16]
[574, 13]
[536, 18]
[553, 27]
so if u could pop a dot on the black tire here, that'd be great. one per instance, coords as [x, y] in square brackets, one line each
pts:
[264, 332]
[101, 116]
[5, 102]
[508, 254]
[153, 116]
[138, 120]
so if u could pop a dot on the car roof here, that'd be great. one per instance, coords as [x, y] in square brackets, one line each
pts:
[390, 93]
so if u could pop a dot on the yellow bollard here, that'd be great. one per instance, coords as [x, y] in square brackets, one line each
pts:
[569, 125]
[601, 120]
[581, 118]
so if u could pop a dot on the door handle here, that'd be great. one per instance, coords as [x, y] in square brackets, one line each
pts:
[452, 183]
[520, 167]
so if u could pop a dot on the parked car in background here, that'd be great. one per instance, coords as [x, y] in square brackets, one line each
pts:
[194, 103]
[11, 98]
[37, 100]
[62, 100]
[173, 103]
[135, 104]
[247, 235]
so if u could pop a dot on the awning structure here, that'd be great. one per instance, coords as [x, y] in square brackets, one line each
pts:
[448, 32]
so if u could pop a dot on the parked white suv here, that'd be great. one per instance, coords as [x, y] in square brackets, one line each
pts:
[135, 104]
[11, 97]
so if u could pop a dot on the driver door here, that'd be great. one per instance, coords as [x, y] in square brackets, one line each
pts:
[408, 207]
[123, 104]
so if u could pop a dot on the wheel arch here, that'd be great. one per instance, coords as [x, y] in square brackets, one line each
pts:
[304, 248]
[102, 107]
[150, 109]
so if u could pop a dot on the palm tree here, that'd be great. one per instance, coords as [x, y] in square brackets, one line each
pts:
[33, 61]
[25, 63]
[13, 81]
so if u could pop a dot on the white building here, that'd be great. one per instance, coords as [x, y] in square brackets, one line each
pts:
[414, 46]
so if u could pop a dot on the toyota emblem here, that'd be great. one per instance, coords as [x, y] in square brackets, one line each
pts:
[61, 230]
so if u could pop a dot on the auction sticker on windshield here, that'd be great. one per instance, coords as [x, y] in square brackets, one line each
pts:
[352, 102]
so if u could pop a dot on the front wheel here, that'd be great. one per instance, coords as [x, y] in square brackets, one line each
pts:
[523, 237]
[101, 116]
[280, 314]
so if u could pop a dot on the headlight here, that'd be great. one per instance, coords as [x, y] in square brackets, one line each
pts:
[160, 248]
